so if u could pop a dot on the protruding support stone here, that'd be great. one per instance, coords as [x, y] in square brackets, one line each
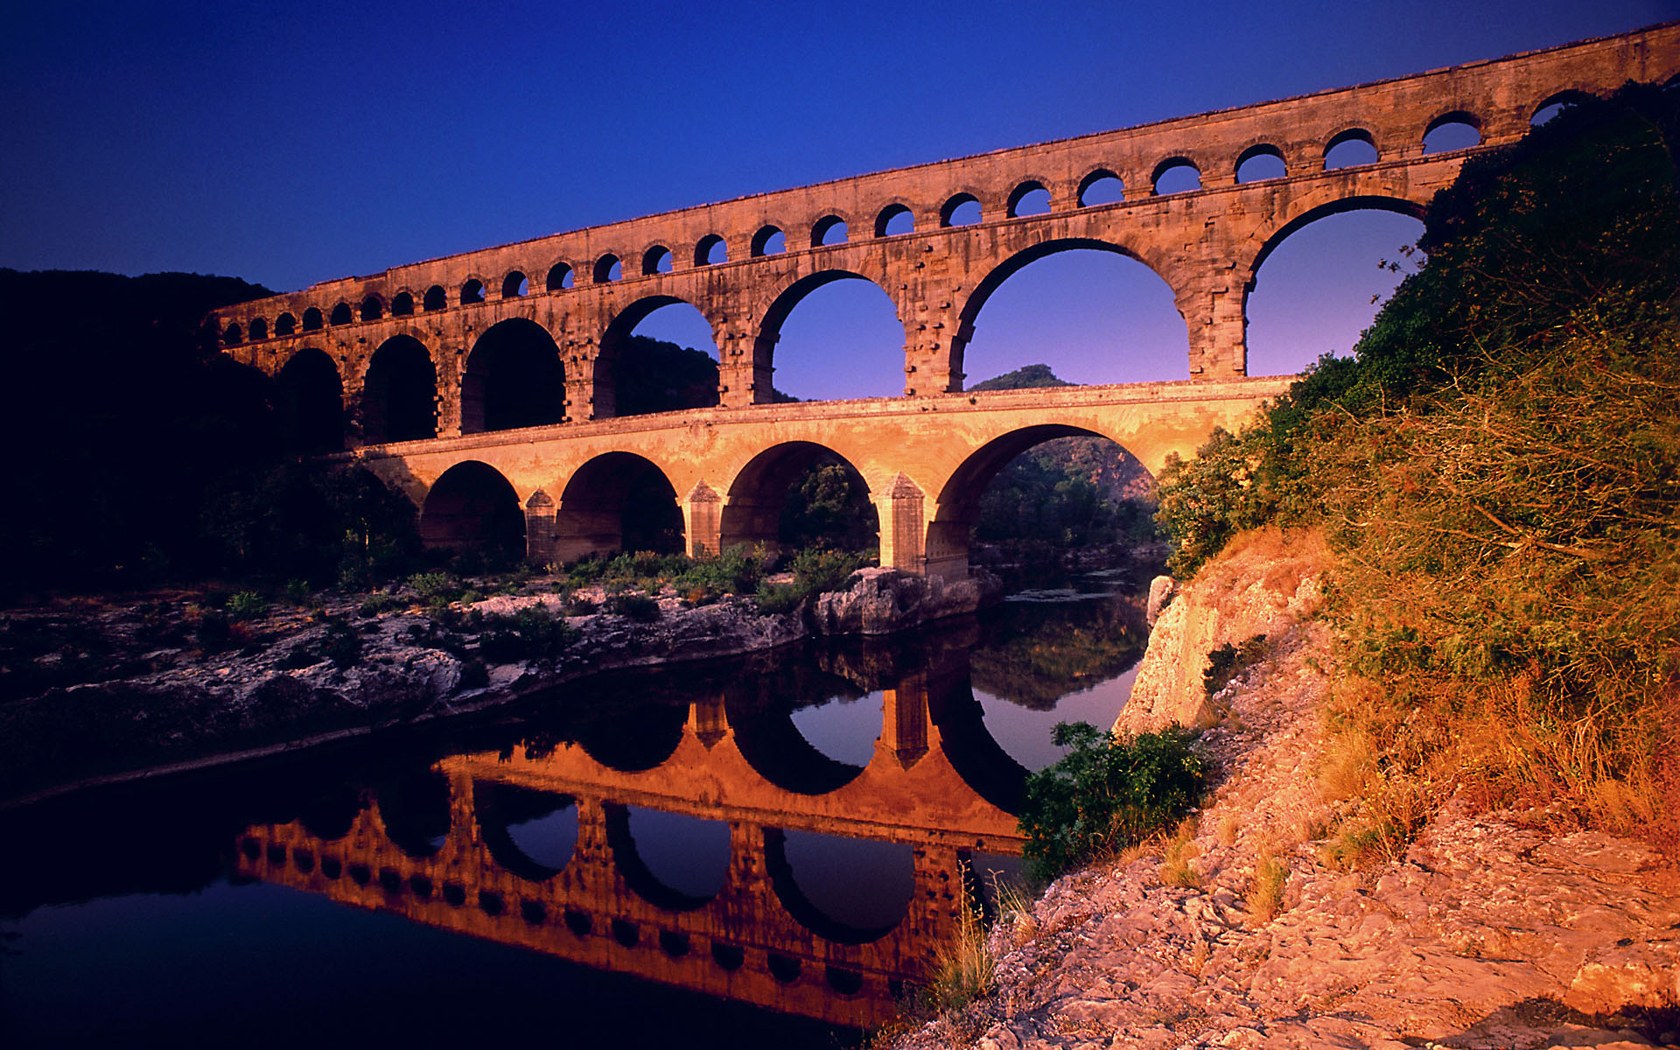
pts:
[902, 527]
[703, 520]
[590, 393]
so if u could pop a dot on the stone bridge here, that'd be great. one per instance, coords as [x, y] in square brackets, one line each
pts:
[760, 938]
[486, 384]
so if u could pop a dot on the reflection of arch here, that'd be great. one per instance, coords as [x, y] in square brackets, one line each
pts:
[773, 746]
[638, 875]
[472, 507]
[1010, 267]
[753, 511]
[309, 400]
[971, 749]
[513, 379]
[617, 501]
[653, 737]
[631, 388]
[810, 913]
[415, 811]
[329, 816]
[498, 807]
[399, 394]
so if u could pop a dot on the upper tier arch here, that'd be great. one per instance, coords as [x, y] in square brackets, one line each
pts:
[1205, 244]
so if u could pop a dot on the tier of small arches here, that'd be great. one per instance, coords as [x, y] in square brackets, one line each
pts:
[1179, 172]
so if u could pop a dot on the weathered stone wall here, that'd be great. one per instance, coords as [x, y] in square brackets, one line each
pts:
[1206, 244]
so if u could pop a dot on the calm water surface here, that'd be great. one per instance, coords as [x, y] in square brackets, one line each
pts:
[757, 854]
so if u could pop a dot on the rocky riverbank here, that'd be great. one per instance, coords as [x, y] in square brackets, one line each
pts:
[95, 690]
[1494, 929]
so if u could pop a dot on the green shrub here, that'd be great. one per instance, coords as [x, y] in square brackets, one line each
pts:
[1106, 794]
[532, 633]
[246, 605]
[635, 606]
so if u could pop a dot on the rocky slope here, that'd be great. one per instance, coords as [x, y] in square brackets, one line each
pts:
[1491, 931]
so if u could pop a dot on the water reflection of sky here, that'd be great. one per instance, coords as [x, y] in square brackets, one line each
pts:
[843, 728]
[1025, 733]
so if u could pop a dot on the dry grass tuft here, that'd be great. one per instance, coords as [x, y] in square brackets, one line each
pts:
[1178, 858]
[1265, 894]
[963, 966]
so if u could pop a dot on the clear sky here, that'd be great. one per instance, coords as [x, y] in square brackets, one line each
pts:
[296, 142]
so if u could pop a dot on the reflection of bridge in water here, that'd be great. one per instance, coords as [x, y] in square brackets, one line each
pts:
[936, 784]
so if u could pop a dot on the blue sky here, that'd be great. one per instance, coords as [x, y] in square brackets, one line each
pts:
[293, 143]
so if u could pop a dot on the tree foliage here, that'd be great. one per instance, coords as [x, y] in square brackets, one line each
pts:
[1106, 794]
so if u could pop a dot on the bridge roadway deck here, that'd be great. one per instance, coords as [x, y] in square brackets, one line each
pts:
[925, 461]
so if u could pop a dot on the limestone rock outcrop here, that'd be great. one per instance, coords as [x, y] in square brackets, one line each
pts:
[881, 601]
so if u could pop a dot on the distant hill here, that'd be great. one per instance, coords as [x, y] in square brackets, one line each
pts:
[1027, 377]
[121, 413]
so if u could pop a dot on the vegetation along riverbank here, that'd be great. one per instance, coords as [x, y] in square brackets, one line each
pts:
[1429, 636]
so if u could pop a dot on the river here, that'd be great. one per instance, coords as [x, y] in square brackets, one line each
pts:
[756, 853]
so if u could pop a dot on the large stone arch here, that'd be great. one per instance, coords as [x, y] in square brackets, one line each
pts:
[1309, 210]
[757, 495]
[513, 378]
[610, 360]
[769, 322]
[399, 400]
[473, 507]
[616, 501]
[1020, 260]
[309, 401]
[958, 504]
